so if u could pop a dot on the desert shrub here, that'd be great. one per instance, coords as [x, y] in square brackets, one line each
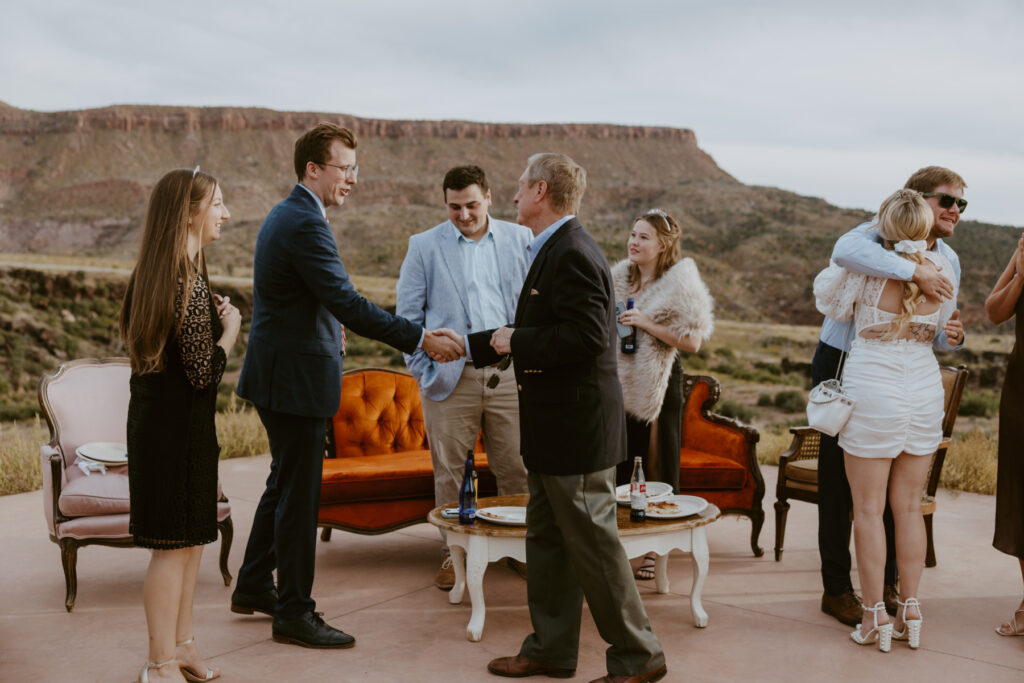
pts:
[240, 431]
[790, 401]
[11, 411]
[730, 408]
[19, 456]
[770, 368]
[764, 400]
[971, 462]
[725, 353]
[695, 362]
[984, 404]
[774, 341]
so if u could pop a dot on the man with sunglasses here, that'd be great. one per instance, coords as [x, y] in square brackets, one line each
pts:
[861, 250]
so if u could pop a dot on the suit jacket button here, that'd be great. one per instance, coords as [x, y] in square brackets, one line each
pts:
[520, 387]
[469, 326]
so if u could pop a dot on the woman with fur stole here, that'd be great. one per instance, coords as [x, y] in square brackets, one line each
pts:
[672, 312]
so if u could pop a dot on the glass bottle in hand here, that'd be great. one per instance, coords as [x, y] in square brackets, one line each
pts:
[629, 342]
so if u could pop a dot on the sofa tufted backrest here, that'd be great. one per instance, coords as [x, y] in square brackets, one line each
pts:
[380, 412]
[86, 400]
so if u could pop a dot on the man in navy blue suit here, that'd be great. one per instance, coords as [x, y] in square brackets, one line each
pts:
[292, 373]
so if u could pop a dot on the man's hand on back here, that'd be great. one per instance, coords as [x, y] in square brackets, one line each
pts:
[934, 284]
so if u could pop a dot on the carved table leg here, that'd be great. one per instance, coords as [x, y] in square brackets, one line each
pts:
[459, 565]
[476, 565]
[661, 573]
[700, 556]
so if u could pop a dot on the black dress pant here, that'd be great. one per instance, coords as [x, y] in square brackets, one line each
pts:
[283, 532]
[669, 440]
[835, 503]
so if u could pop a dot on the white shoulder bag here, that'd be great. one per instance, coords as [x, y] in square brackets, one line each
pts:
[828, 406]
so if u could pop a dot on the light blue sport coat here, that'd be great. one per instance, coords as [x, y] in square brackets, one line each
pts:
[431, 291]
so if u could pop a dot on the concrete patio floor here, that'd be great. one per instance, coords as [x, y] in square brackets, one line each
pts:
[765, 623]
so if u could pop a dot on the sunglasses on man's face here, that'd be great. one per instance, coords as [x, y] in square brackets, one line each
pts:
[947, 200]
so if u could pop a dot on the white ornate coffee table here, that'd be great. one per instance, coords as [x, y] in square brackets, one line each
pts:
[474, 545]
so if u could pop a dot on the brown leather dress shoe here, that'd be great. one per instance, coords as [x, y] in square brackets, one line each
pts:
[891, 596]
[521, 667]
[649, 677]
[845, 607]
[445, 579]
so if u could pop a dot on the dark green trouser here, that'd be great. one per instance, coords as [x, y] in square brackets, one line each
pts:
[573, 550]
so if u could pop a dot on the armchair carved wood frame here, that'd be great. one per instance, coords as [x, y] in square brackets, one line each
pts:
[798, 465]
[83, 401]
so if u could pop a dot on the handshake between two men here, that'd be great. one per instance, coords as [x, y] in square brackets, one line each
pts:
[444, 345]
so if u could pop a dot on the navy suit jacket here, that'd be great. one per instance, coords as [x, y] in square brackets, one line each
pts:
[300, 293]
[571, 416]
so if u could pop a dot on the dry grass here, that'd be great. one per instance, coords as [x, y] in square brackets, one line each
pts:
[971, 462]
[19, 456]
[775, 439]
[240, 431]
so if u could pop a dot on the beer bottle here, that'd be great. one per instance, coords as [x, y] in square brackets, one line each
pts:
[629, 343]
[467, 492]
[637, 492]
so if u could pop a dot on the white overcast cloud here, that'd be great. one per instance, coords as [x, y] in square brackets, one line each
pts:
[833, 99]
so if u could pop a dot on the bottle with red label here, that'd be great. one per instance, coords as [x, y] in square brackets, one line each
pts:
[638, 492]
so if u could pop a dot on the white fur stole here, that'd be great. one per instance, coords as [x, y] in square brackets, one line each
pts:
[680, 300]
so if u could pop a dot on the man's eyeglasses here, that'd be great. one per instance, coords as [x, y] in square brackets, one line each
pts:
[947, 200]
[347, 171]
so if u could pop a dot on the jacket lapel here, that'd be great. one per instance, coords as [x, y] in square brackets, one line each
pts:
[451, 254]
[538, 265]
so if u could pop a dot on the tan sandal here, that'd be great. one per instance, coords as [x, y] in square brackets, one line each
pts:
[1014, 629]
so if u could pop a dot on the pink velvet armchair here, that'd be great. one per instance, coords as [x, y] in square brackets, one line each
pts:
[84, 401]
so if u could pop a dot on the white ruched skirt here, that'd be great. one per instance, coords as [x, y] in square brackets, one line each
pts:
[899, 399]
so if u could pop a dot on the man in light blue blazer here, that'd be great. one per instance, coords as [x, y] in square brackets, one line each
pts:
[466, 274]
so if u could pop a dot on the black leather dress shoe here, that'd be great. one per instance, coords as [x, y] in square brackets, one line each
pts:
[310, 630]
[891, 596]
[247, 603]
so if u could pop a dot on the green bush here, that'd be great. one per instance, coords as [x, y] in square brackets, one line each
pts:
[979, 405]
[790, 401]
[764, 400]
[730, 408]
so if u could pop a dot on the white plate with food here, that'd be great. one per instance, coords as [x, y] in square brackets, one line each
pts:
[105, 452]
[508, 515]
[675, 507]
[656, 490]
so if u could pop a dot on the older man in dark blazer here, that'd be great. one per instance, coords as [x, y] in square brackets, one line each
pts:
[573, 434]
[292, 373]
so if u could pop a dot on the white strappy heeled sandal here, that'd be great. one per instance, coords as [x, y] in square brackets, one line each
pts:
[911, 627]
[880, 632]
[190, 674]
[144, 674]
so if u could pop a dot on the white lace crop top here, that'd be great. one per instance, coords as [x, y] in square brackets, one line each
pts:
[842, 294]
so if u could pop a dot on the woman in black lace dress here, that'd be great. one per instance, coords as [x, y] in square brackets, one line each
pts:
[178, 336]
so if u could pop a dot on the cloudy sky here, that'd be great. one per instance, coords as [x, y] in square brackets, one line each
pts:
[839, 100]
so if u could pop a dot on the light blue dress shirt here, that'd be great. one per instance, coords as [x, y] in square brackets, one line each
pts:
[861, 251]
[534, 247]
[483, 288]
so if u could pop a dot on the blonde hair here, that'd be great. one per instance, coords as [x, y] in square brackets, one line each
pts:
[666, 229]
[148, 315]
[905, 215]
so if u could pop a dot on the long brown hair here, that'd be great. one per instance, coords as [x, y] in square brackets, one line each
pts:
[905, 215]
[148, 315]
[667, 231]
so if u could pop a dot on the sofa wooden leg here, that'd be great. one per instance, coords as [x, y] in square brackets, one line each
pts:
[325, 534]
[929, 556]
[757, 521]
[781, 511]
[69, 559]
[227, 533]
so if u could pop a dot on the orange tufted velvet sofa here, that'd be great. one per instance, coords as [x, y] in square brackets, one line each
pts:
[377, 472]
[718, 459]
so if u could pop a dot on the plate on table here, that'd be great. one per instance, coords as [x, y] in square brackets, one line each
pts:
[508, 515]
[105, 452]
[656, 490]
[675, 507]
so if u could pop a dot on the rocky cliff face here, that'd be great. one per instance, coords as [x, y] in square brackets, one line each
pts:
[76, 182]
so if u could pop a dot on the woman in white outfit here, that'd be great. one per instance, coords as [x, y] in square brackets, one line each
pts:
[892, 375]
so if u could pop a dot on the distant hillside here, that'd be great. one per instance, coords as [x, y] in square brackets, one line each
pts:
[76, 182]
